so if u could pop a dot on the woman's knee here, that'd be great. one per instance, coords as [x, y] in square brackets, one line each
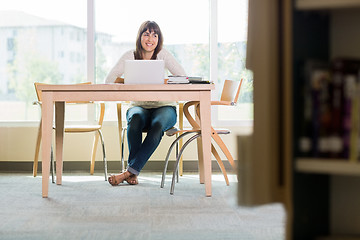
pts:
[136, 117]
[165, 116]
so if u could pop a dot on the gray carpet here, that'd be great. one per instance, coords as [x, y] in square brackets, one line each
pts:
[87, 207]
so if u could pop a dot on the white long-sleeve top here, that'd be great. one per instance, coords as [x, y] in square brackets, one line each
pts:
[170, 64]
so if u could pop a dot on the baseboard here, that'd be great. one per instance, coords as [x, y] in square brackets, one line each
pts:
[113, 166]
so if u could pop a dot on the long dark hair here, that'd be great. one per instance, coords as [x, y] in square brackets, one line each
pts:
[152, 27]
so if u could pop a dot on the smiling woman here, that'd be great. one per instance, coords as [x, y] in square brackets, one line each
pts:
[149, 40]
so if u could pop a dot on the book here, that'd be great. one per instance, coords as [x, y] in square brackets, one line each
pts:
[349, 127]
[304, 142]
[322, 112]
[198, 80]
[355, 124]
[316, 114]
[195, 78]
[185, 79]
[345, 72]
[330, 109]
[177, 79]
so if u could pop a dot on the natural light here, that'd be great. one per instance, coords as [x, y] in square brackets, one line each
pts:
[47, 42]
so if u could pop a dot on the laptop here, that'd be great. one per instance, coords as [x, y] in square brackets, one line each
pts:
[144, 72]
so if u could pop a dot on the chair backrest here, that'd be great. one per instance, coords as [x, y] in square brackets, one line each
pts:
[102, 105]
[231, 91]
[38, 92]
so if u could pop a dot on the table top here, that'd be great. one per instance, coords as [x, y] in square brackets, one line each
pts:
[126, 87]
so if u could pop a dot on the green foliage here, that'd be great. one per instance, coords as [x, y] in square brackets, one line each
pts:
[199, 55]
[232, 66]
[193, 57]
[27, 68]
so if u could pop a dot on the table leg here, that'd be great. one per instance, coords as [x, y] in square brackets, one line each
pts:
[46, 132]
[59, 133]
[205, 118]
[200, 155]
[120, 128]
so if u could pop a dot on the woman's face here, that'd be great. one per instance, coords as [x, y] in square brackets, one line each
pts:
[149, 41]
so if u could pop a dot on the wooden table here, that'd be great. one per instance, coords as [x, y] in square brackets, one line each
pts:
[58, 94]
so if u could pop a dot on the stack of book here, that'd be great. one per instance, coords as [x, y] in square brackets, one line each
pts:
[177, 79]
[185, 79]
[330, 114]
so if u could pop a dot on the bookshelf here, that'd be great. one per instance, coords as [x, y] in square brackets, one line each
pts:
[340, 22]
[320, 195]
[322, 29]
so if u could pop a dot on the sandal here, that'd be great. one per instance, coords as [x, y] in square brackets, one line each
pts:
[114, 182]
[132, 180]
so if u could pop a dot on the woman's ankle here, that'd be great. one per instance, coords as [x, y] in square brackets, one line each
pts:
[127, 174]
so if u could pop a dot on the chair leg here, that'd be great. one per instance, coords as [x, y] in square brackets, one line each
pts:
[168, 155]
[166, 163]
[224, 149]
[122, 150]
[37, 151]
[179, 171]
[220, 163]
[93, 155]
[104, 155]
[178, 160]
[181, 126]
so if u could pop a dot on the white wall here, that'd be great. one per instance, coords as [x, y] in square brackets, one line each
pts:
[17, 144]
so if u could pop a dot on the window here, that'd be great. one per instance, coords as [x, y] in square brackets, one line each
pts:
[232, 40]
[34, 31]
[47, 45]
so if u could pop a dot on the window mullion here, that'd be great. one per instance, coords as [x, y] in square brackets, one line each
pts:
[214, 51]
[91, 51]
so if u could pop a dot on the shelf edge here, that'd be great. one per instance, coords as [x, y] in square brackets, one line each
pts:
[326, 4]
[327, 166]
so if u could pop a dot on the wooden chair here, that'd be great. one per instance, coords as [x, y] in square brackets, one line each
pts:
[229, 96]
[76, 129]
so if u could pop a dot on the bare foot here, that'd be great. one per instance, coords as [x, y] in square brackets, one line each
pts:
[119, 178]
[132, 180]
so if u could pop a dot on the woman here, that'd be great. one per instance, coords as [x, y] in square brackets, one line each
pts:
[155, 117]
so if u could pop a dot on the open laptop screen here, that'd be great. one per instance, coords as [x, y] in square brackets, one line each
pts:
[144, 72]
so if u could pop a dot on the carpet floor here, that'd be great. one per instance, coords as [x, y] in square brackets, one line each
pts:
[87, 207]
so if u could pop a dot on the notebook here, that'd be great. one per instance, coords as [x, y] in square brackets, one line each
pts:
[144, 72]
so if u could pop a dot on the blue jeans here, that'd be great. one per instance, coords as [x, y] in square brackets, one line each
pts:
[155, 121]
